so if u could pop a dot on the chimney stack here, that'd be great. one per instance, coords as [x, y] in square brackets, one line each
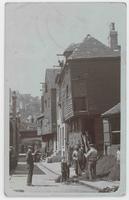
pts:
[113, 39]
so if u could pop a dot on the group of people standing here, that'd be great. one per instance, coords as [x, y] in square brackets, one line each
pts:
[81, 161]
[83, 158]
[85, 161]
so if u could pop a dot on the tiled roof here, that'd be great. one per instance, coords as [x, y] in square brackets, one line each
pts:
[92, 48]
[112, 111]
[71, 47]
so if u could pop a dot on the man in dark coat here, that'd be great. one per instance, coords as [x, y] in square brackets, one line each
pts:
[30, 164]
[64, 169]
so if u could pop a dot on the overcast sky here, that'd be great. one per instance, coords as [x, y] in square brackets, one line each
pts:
[36, 32]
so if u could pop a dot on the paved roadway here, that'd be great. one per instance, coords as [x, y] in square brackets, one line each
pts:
[43, 182]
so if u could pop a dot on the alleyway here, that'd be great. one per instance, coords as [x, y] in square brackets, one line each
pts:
[43, 182]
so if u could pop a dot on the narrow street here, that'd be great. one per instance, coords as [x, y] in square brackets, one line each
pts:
[43, 182]
[64, 95]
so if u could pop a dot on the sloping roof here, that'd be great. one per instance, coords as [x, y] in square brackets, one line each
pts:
[51, 76]
[71, 47]
[112, 111]
[92, 48]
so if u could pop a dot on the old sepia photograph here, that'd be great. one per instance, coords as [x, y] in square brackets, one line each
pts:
[65, 73]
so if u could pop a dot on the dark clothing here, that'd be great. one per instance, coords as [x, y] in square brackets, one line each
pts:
[30, 164]
[81, 159]
[30, 174]
[64, 170]
[29, 158]
[92, 158]
[92, 169]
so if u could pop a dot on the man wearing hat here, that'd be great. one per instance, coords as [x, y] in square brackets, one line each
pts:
[91, 156]
[30, 163]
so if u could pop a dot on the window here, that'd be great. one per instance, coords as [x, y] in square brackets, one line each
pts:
[115, 137]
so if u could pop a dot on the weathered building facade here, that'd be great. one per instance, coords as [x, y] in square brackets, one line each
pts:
[89, 85]
[49, 119]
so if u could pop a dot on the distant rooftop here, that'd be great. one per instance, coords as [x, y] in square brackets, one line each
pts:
[91, 48]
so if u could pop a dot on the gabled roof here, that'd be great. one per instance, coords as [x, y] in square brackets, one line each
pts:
[114, 110]
[51, 76]
[92, 48]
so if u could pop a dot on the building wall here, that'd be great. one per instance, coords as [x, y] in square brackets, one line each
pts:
[49, 122]
[61, 126]
[98, 80]
[47, 128]
[53, 111]
[66, 94]
[48, 143]
[111, 130]
[88, 88]
[91, 124]
[98, 132]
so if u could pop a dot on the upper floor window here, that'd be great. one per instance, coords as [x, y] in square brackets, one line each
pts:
[115, 137]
